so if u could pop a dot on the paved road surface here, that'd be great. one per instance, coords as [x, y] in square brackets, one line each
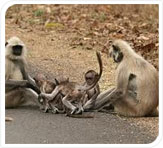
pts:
[31, 126]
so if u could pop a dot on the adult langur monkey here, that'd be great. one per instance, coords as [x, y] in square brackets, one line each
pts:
[137, 84]
[20, 88]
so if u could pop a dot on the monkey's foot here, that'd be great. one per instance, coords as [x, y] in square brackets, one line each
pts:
[55, 111]
[79, 111]
[61, 111]
[74, 110]
[46, 110]
[40, 99]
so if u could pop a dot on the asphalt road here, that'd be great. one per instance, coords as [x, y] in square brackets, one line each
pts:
[31, 126]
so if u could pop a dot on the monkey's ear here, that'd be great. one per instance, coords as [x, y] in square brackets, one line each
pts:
[56, 81]
[6, 44]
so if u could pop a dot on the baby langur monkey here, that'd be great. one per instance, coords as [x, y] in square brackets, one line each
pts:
[44, 85]
[20, 88]
[55, 105]
[47, 86]
[91, 95]
[72, 92]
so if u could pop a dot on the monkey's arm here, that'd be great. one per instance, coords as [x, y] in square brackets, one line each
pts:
[33, 84]
[120, 90]
[12, 84]
[68, 104]
[91, 102]
[122, 79]
[51, 96]
[16, 83]
[110, 96]
[31, 80]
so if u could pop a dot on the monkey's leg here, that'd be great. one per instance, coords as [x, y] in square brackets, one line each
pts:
[68, 104]
[154, 113]
[84, 99]
[31, 80]
[90, 103]
[12, 84]
[46, 105]
[54, 108]
[14, 98]
[51, 96]
[80, 108]
[31, 97]
[21, 96]
[105, 93]
[112, 96]
[34, 86]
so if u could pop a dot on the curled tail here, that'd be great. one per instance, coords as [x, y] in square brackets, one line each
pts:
[100, 63]
[100, 72]
[80, 115]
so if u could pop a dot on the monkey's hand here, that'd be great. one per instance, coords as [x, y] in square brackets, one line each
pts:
[55, 111]
[74, 110]
[33, 87]
[40, 99]
[79, 111]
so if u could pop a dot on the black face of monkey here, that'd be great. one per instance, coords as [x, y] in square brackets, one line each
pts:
[90, 77]
[116, 54]
[17, 50]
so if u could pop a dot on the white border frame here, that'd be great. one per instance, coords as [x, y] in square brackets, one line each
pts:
[7, 4]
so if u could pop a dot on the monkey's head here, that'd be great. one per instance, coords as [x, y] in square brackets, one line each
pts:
[40, 79]
[15, 48]
[120, 50]
[91, 76]
[116, 53]
[61, 80]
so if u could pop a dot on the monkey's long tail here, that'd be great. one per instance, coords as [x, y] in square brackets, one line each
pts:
[8, 119]
[80, 116]
[100, 73]
[100, 63]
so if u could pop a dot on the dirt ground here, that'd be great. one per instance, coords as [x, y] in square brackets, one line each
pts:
[62, 41]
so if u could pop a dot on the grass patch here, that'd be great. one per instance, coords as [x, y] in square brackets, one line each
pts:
[38, 13]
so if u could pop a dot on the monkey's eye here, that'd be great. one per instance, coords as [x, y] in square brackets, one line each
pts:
[6, 44]
[89, 78]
